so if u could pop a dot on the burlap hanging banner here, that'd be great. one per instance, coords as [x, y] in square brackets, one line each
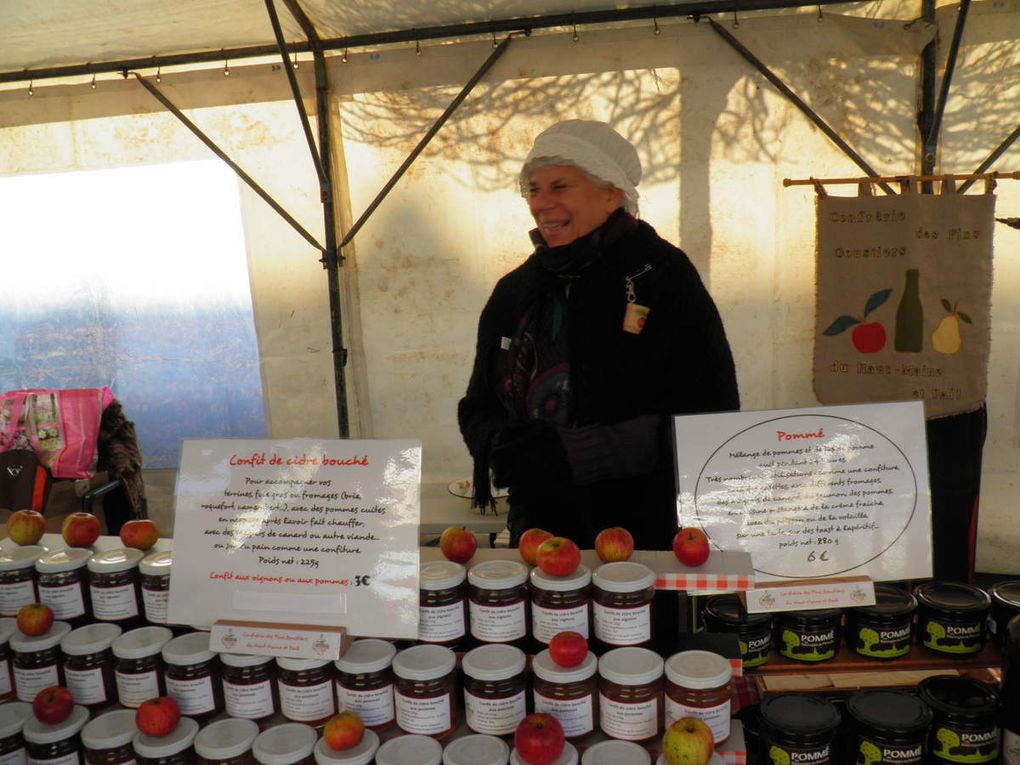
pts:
[903, 297]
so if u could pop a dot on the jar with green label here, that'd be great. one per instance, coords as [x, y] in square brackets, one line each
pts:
[964, 725]
[726, 613]
[886, 629]
[951, 617]
[809, 636]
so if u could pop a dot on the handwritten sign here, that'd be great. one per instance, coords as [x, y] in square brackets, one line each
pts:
[811, 493]
[302, 531]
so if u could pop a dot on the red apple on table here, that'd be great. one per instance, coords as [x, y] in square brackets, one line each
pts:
[529, 542]
[52, 705]
[688, 741]
[26, 527]
[690, 545]
[458, 544]
[558, 556]
[157, 716]
[80, 530]
[34, 619]
[140, 534]
[568, 648]
[614, 543]
[344, 730]
[539, 739]
[869, 337]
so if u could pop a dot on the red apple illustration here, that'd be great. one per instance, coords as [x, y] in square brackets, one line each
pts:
[867, 337]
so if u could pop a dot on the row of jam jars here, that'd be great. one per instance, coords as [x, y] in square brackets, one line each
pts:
[37, 660]
[88, 664]
[18, 578]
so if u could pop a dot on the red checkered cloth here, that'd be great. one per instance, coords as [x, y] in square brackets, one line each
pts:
[694, 582]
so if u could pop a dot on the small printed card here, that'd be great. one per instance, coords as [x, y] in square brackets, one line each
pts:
[287, 640]
[808, 595]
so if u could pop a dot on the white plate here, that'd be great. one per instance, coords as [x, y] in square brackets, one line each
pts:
[466, 489]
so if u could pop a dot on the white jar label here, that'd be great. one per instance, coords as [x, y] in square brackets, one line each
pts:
[631, 722]
[577, 716]
[66, 759]
[303, 703]
[252, 702]
[375, 707]
[5, 677]
[114, 603]
[717, 718]
[155, 605]
[86, 685]
[425, 716]
[15, 595]
[133, 689]
[623, 626]
[497, 717]
[29, 682]
[437, 624]
[498, 624]
[194, 697]
[546, 622]
[66, 601]
[1010, 747]
[17, 757]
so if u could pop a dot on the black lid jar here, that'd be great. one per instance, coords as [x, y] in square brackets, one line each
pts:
[809, 636]
[726, 613]
[951, 617]
[798, 725]
[1005, 605]
[963, 719]
[887, 727]
[886, 629]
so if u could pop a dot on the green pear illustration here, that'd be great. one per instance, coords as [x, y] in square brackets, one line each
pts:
[946, 338]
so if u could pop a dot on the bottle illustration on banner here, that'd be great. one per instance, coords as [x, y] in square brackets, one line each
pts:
[909, 336]
[868, 336]
[946, 338]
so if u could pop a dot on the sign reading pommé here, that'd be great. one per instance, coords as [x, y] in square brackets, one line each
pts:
[302, 531]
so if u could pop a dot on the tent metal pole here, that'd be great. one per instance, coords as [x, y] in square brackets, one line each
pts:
[931, 139]
[990, 159]
[797, 101]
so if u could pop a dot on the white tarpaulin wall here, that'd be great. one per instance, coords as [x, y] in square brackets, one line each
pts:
[716, 141]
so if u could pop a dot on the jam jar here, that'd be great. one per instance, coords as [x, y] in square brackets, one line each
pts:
[726, 613]
[175, 748]
[226, 742]
[88, 664]
[362, 753]
[442, 603]
[498, 601]
[809, 636]
[886, 629]
[64, 584]
[798, 727]
[698, 684]
[364, 681]
[13, 716]
[893, 723]
[476, 749]
[560, 603]
[107, 738]
[622, 594]
[249, 686]
[494, 688]
[58, 744]
[424, 695]
[155, 572]
[18, 578]
[951, 617]
[570, 694]
[7, 629]
[410, 749]
[306, 690]
[192, 675]
[630, 693]
[114, 586]
[288, 744]
[37, 663]
[138, 669]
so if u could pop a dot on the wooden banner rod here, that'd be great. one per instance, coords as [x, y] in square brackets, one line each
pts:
[1015, 175]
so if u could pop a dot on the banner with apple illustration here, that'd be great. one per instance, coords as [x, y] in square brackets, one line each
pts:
[903, 296]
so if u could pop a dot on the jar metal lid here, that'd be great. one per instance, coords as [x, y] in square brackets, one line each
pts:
[441, 575]
[92, 638]
[225, 739]
[567, 757]
[112, 561]
[410, 749]
[799, 714]
[476, 749]
[545, 668]
[63, 560]
[284, 744]
[616, 753]
[367, 655]
[110, 730]
[13, 715]
[177, 740]
[244, 659]
[8, 626]
[1006, 593]
[955, 597]
[36, 732]
[575, 581]
[300, 665]
[957, 698]
[890, 601]
[630, 666]
[157, 563]
[187, 649]
[889, 711]
[623, 576]
[141, 642]
[24, 556]
[730, 610]
[29, 643]
[698, 670]
[494, 661]
[498, 574]
[424, 662]
[359, 754]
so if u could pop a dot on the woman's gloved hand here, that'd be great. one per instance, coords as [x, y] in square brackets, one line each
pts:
[529, 454]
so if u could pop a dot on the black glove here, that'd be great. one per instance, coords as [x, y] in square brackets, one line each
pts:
[529, 454]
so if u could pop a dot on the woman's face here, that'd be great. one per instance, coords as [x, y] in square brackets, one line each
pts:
[566, 204]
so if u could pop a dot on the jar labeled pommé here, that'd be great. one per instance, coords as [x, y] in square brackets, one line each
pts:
[226, 742]
[630, 693]
[364, 681]
[13, 716]
[37, 660]
[64, 584]
[306, 688]
[249, 686]
[58, 744]
[494, 688]
[155, 572]
[138, 669]
[192, 675]
[698, 684]
[88, 664]
[622, 593]
[114, 586]
[175, 748]
[107, 738]
[560, 603]
[498, 601]
[18, 578]
[570, 694]
[424, 695]
[442, 603]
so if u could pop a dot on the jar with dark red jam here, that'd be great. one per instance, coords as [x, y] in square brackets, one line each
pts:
[287, 744]
[424, 697]
[249, 686]
[64, 584]
[155, 572]
[175, 748]
[88, 664]
[226, 742]
[107, 738]
[7, 629]
[364, 682]
[58, 744]
[306, 690]
[138, 666]
[115, 586]
[560, 603]
[18, 578]
[495, 700]
[622, 594]
[498, 601]
[570, 694]
[193, 675]
[442, 603]
[631, 693]
[37, 661]
[13, 716]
